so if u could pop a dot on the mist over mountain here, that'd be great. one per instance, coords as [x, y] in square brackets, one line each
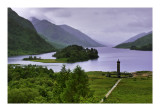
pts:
[63, 34]
[23, 38]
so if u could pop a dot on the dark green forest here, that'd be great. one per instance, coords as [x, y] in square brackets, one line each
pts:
[75, 53]
[144, 43]
[23, 38]
[36, 84]
[144, 48]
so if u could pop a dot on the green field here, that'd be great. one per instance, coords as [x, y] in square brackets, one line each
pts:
[130, 90]
[100, 83]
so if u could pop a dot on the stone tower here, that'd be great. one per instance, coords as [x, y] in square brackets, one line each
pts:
[118, 69]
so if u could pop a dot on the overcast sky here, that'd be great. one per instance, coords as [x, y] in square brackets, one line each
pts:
[106, 25]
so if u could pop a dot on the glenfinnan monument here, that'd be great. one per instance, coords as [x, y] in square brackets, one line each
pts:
[118, 69]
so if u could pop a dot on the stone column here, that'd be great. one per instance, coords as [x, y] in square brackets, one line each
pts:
[118, 69]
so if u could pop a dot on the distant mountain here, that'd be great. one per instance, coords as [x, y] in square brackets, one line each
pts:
[143, 43]
[81, 36]
[132, 39]
[63, 34]
[23, 38]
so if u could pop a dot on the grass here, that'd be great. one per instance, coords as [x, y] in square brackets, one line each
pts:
[137, 89]
[63, 60]
[100, 84]
[133, 90]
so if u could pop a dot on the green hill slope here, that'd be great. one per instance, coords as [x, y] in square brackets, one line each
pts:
[143, 43]
[23, 38]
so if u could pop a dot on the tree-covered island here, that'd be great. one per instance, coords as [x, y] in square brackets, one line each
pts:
[75, 53]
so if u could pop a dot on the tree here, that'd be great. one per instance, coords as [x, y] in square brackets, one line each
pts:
[60, 84]
[76, 87]
[63, 76]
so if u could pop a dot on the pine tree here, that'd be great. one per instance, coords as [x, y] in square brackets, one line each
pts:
[76, 87]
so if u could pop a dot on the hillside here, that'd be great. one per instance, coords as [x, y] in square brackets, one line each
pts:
[81, 36]
[132, 39]
[140, 44]
[23, 38]
[62, 34]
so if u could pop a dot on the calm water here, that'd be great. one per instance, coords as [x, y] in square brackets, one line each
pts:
[131, 60]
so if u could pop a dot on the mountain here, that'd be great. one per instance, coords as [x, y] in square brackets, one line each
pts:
[23, 37]
[132, 39]
[62, 34]
[83, 37]
[143, 43]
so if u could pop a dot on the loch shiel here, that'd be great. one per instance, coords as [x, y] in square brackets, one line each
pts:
[79, 55]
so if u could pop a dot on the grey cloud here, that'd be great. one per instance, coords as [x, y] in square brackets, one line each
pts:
[64, 14]
[43, 10]
[142, 25]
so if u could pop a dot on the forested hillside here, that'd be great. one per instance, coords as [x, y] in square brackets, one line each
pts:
[143, 43]
[134, 38]
[23, 38]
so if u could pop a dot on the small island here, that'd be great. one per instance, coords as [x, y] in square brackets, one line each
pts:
[32, 58]
[35, 59]
[75, 53]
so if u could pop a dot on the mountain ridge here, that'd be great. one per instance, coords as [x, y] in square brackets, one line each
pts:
[134, 38]
[62, 35]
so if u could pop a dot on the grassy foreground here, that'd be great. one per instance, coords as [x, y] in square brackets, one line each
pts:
[130, 90]
[100, 84]
[133, 90]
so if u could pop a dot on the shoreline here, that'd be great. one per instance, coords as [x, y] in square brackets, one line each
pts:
[88, 71]
[50, 60]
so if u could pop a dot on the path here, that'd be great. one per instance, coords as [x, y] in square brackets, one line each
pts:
[110, 91]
